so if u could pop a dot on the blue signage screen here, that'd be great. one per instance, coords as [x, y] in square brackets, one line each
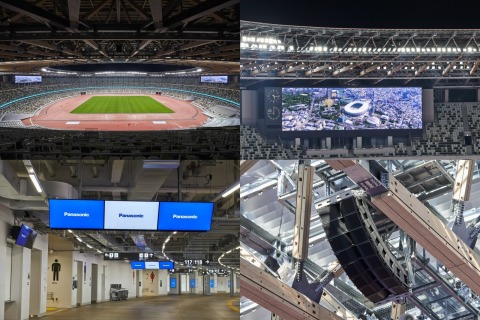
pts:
[138, 264]
[229, 283]
[166, 265]
[173, 282]
[76, 214]
[212, 283]
[23, 236]
[185, 216]
[192, 283]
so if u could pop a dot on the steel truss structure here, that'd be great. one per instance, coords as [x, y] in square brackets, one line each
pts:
[273, 194]
[118, 31]
[436, 58]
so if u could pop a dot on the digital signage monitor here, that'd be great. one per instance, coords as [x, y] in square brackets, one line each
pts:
[335, 109]
[131, 215]
[28, 79]
[26, 237]
[185, 216]
[214, 79]
[166, 265]
[173, 282]
[138, 265]
[76, 214]
[151, 265]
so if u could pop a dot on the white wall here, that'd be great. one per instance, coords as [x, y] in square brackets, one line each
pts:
[62, 289]
[222, 284]
[38, 298]
[6, 221]
[163, 276]
[23, 280]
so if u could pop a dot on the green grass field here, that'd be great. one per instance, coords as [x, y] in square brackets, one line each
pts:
[121, 104]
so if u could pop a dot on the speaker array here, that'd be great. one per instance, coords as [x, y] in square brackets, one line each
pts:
[364, 259]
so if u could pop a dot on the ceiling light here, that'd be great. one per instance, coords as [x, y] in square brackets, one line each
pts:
[231, 189]
[36, 183]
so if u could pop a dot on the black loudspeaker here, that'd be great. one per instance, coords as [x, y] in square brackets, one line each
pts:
[15, 231]
[358, 254]
[272, 263]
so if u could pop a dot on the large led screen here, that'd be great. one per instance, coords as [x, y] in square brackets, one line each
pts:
[318, 109]
[131, 215]
[28, 79]
[214, 79]
[76, 214]
[185, 216]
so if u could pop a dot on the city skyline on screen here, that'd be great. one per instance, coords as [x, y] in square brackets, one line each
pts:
[322, 109]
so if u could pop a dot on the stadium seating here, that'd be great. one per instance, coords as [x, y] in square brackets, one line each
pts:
[53, 89]
[201, 143]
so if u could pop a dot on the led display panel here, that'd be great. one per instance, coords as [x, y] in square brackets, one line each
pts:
[26, 237]
[151, 265]
[214, 79]
[131, 215]
[185, 216]
[321, 109]
[166, 265]
[27, 79]
[76, 214]
[138, 265]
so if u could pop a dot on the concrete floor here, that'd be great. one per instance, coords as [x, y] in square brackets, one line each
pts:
[171, 307]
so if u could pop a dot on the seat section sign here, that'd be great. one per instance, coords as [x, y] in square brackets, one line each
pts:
[185, 216]
[76, 214]
[131, 215]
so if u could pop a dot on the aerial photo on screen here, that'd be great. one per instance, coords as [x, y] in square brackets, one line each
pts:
[315, 109]
[214, 79]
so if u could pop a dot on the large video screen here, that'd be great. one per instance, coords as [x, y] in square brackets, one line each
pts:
[28, 79]
[214, 79]
[76, 214]
[318, 109]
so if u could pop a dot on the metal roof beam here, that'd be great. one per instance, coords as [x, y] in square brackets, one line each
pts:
[74, 13]
[199, 11]
[96, 9]
[157, 15]
[35, 12]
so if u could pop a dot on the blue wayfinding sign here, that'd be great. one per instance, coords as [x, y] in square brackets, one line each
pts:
[138, 264]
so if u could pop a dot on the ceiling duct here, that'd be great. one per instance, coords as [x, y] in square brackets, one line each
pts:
[150, 176]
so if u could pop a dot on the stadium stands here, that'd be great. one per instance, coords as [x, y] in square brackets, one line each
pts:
[202, 143]
[218, 102]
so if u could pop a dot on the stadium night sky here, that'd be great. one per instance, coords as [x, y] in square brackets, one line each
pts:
[416, 14]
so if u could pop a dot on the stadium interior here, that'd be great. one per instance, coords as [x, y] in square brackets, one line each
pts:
[210, 259]
[56, 51]
[359, 239]
[443, 62]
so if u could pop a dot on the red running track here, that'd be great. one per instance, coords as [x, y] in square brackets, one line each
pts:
[58, 116]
